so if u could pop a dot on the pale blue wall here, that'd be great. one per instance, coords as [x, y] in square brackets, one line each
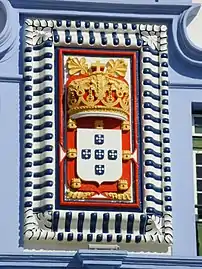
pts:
[182, 170]
[9, 167]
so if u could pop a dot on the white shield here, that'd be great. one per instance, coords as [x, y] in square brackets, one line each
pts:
[99, 155]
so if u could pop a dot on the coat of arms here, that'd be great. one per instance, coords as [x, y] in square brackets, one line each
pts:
[99, 155]
[97, 162]
[98, 140]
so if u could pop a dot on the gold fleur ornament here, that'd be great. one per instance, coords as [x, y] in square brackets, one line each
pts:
[76, 66]
[117, 67]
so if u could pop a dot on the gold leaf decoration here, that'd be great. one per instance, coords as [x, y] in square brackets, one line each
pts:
[78, 194]
[76, 66]
[117, 67]
[125, 196]
[100, 89]
[118, 196]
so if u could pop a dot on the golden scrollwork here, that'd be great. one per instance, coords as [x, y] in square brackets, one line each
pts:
[97, 87]
[78, 194]
[125, 196]
[71, 153]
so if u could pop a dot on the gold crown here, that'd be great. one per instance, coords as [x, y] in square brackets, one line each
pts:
[97, 89]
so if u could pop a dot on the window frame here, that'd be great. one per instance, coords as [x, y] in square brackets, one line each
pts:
[197, 205]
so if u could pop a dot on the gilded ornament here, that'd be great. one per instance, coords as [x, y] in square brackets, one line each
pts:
[117, 67]
[75, 183]
[78, 194]
[71, 153]
[76, 66]
[125, 126]
[71, 124]
[98, 109]
[122, 185]
[102, 89]
[126, 155]
[97, 67]
[125, 196]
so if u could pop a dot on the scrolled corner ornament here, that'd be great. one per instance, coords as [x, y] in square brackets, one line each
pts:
[38, 31]
[150, 39]
[109, 155]
[154, 37]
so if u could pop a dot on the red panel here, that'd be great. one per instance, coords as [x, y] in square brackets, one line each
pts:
[109, 123]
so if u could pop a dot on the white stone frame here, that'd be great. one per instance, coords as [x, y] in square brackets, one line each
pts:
[40, 39]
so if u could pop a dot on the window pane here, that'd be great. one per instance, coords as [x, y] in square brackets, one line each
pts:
[198, 125]
[198, 158]
[199, 172]
[199, 196]
[198, 129]
[199, 185]
[198, 121]
[199, 238]
[197, 142]
[200, 213]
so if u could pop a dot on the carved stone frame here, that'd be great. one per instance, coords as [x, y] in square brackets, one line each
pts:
[42, 222]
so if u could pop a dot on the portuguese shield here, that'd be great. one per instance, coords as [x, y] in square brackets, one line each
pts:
[99, 155]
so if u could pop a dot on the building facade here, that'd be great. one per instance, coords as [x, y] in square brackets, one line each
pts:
[101, 142]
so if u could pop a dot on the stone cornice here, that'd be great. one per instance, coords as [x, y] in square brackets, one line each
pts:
[89, 259]
[127, 7]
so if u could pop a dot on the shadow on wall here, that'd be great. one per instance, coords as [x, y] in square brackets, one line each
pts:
[194, 27]
[2, 20]
[178, 63]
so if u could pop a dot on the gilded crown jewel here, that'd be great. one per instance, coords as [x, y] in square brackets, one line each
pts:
[97, 89]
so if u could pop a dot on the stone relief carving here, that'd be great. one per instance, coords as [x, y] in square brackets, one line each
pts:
[88, 79]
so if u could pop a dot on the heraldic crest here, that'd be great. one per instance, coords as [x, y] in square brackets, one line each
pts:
[97, 162]
[97, 88]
